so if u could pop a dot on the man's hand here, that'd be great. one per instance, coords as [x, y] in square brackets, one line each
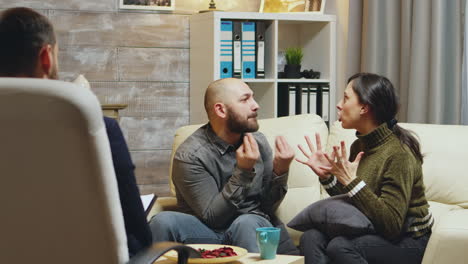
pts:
[247, 154]
[284, 154]
[316, 159]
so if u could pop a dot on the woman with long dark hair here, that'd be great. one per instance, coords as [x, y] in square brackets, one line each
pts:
[383, 178]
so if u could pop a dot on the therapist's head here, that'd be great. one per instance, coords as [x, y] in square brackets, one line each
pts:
[28, 47]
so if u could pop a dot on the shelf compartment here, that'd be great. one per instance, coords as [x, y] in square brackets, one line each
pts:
[314, 39]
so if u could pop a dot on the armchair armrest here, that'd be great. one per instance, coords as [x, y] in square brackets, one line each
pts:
[151, 254]
[449, 239]
[162, 204]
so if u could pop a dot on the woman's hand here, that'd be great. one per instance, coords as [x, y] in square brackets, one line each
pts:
[344, 170]
[316, 160]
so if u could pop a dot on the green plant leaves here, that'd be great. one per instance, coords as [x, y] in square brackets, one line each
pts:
[294, 56]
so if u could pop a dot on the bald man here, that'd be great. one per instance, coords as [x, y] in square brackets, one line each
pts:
[227, 181]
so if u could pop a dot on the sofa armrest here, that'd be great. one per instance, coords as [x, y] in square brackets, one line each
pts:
[449, 240]
[162, 204]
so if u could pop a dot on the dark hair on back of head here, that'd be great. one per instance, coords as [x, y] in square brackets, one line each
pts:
[24, 32]
[379, 94]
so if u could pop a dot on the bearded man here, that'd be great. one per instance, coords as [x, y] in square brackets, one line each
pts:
[227, 181]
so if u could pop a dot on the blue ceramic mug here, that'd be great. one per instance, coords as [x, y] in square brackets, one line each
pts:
[267, 241]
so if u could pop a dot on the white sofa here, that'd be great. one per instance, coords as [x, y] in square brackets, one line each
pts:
[445, 168]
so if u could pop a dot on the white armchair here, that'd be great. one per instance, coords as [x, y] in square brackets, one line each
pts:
[58, 191]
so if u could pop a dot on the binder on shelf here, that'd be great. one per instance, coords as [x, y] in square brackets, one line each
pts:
[312, 99]
[236, 39]
[305, 99]
[325, 104]
[283, 100]
[226, 49]
[248, 50]
[260, 48]
[293, 102]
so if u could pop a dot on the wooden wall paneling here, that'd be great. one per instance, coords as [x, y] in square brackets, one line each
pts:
[152, 167]
[160, 189]
[145, 99]
[121, 29]
[88, 5]
[153, 64]
[151, 132]
[95, 63]
[156, 101]
[153, 30]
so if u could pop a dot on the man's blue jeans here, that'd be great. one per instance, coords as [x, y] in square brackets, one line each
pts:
[187, 229]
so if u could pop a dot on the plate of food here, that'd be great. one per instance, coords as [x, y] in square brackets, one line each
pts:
[212, 253]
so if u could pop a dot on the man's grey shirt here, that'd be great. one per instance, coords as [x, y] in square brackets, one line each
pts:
[210, 186]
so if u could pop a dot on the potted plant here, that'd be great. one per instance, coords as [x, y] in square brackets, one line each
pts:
[292, 69]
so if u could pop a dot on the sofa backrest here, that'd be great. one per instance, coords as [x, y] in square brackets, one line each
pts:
[303, 186]
[181, 135]
[445, 163]
[335, 136]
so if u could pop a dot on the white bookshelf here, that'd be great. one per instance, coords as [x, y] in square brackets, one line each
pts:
[315, 33]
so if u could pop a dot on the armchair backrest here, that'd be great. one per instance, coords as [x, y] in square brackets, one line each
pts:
[58, 191]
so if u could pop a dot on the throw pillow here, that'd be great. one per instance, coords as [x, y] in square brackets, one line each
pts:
[334, 216]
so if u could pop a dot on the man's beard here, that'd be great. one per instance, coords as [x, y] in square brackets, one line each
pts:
[235, 123]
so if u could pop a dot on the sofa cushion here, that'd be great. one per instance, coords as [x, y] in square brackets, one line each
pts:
[449, 240]
[334, 216]
[445, 162]
[337, 134]
[440, 209]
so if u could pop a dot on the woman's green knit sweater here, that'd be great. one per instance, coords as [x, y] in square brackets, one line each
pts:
[389, 187]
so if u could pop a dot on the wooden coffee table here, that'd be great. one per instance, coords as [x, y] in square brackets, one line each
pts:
[254, 258]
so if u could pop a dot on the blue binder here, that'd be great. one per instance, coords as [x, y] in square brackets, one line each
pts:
[248, 50]
[226, 50]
